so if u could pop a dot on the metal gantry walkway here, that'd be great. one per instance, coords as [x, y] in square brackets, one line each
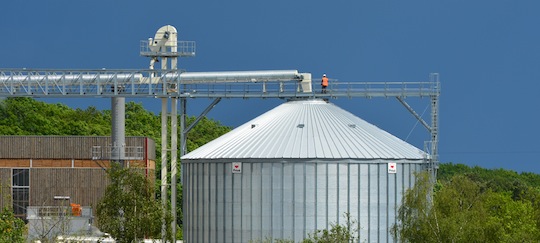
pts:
[178, 84]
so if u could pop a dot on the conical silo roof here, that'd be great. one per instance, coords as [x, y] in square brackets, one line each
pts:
[307, 129]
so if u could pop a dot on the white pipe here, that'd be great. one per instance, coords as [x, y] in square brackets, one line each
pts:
[185, 77]
[118, 135]
[164, 150]
[174, 156]
[235, 76]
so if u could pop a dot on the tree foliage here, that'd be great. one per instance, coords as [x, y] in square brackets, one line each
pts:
[128, 210]
[205, 131]
[11, 228]
[347, 232]
[498, 180]
[463, 208]
[338, 233]
[26, 116]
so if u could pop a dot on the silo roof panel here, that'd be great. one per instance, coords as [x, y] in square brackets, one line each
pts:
[307, 129]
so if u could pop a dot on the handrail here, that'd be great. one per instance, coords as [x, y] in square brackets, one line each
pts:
[170, 83]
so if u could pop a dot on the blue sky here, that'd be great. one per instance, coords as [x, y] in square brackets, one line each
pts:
[487, 54]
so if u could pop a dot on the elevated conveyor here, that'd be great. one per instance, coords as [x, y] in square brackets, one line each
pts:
[178, 84]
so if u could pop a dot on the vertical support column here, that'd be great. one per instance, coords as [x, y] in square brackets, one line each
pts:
[118, 135]
[164, 167]
[174, 147]
[183, 137]
[434, 78]
[164, 150]
[174, 155]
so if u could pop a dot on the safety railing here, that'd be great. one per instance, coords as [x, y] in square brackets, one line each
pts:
[106, 153]
[183, 49]
[291, 90]
[167, 83]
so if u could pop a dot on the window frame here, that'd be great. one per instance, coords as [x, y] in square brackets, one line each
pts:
[20, 194]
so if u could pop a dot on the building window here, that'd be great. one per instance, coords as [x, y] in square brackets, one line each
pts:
[21, 191]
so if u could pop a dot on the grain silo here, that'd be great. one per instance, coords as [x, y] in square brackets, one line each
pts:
[295, 169]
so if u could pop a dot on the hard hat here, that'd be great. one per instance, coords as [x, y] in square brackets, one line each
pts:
[324, 75]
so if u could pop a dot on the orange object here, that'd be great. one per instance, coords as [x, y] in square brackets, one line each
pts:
[324, 81]
[76, 209]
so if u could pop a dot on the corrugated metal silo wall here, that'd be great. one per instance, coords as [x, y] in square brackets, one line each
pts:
[288, 200]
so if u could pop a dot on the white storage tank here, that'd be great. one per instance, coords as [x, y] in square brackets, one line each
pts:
[295, 169]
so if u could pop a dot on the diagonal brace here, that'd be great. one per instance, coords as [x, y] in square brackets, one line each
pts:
[203, 114]
[424, 123]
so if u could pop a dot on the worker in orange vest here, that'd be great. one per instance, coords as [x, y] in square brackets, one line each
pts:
[324, 83]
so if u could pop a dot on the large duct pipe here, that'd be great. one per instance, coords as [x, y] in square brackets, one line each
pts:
[118, 134]
[238, 76]
[170, 77]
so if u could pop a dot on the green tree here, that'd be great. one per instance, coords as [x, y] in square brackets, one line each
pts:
[347, 232]
[512, 220]
[205, 131]
[11, 227]
[140, 122]
[498, 180]
[416, 222]
[26, 116]
[338, 233]
[129, 211]
[460, 210]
